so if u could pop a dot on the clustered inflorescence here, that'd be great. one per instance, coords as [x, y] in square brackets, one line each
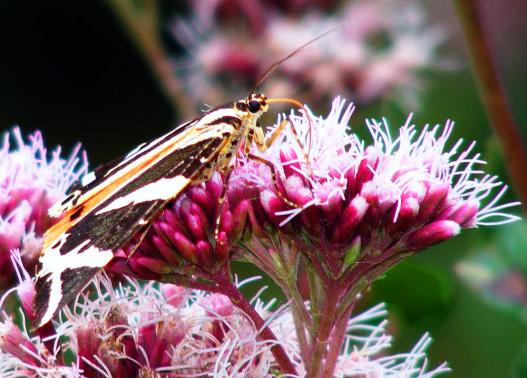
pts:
[340, 212]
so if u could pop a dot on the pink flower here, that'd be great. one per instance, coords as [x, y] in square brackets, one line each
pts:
[30, 182]
[183, 240]
[344, 212]
[373, 56]
[376, 202]
[134, 331]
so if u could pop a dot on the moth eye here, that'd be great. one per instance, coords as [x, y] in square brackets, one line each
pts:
[254, 106]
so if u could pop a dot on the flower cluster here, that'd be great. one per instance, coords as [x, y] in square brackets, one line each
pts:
[373, 55]
[357, 206]
[145, 330]
[333, 208]
[183, 239]
[30, 182]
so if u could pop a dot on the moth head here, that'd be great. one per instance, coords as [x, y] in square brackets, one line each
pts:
[255, 104]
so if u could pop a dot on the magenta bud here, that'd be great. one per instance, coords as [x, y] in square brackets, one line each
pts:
[171, 219]
[433, 199]
[214, 187]
[331, 203]
[296, 190]
[227, 221]
[152, 264]
[415, 190]
[173, 294]
[239, 218]
[290, 163]
[194, 218]
[168, 252]
[466, 214]
[137, 267]
[119, 264]
[162, 228]
[272, 204]
[204, 253]
[222, 246]
[184, 246]
[13, 341]
[26, 293]
[408, 210]
[431, 234]
[363, 174]
[349, 219]
[200, 196]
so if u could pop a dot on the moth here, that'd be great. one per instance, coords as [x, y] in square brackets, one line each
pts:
[119, 199]
[123, 197]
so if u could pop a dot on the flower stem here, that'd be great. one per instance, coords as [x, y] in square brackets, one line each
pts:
[301, 318]
[323, 331]
[493, 95]
[337, 338]
[231, 291]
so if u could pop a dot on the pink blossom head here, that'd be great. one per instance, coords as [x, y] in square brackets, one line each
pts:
[185, 238]
[135, 330]
[372, 56]
[360, 205]
[31, 181]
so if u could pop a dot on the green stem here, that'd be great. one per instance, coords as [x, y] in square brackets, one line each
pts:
[337, 339]
[493, 95]
[316, 293]
[301, 318]
[323, 331]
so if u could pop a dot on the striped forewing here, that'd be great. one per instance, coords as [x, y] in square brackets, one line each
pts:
[124, 197]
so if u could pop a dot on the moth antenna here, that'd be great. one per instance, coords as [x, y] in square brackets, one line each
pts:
[275, 65]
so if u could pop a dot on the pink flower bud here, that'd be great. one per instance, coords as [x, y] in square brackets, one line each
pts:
[431, 234]
[13, 341]
[349, 219]
[466, 214]
[291, 165]
[434, 197]
[26, 293]
[296, 191]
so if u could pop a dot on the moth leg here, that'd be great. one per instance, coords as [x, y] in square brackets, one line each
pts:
[221, 201]
[263, 144]
[138, 242]
[273, 178]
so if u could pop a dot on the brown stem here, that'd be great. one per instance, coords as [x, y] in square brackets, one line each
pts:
[493, 95]
[141, 23]
[265, 332]
[323, 331]
[337, 338]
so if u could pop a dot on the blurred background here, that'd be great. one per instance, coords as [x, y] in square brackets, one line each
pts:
[114, 73]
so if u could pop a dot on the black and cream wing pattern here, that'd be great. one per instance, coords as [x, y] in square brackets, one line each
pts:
[115, 203]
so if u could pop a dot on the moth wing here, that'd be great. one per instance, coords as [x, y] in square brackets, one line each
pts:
[91, 183]
[83, 240]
